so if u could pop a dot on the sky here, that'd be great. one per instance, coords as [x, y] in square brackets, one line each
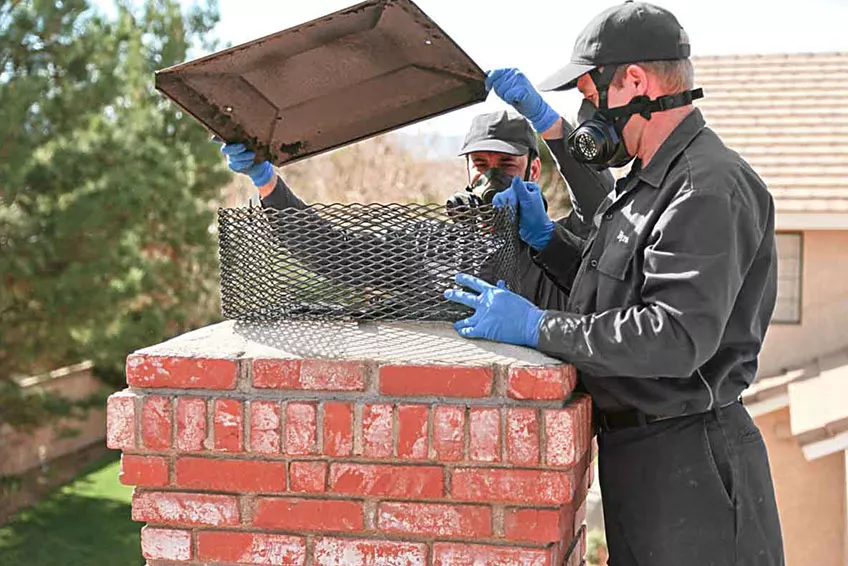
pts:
[537, 35]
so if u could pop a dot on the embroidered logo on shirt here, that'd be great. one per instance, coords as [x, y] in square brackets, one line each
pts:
[622, 238]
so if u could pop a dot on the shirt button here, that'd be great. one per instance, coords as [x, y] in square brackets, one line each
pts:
[594, 263]
[608, 216]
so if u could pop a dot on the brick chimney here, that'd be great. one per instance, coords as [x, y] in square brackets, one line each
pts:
[343, 444]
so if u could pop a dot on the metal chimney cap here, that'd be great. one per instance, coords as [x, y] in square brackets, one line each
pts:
[347, 76]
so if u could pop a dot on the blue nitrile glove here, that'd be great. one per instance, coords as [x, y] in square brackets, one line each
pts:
[499, 314]
[514, 88]
[240, 160]
[534, 225]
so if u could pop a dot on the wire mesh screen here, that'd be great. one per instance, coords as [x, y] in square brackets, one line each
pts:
[360, 262]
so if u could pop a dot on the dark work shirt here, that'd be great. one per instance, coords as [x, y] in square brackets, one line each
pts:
[671, 295]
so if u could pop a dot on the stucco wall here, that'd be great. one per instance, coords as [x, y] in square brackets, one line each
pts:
[824, 306]
[810, 496]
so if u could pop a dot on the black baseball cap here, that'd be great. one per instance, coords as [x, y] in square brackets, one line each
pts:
[502, 132]
[632, 32]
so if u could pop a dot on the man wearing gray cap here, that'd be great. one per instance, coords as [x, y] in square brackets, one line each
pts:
[501, 146]
[669, 297]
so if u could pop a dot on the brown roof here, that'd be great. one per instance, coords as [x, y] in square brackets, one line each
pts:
[788, 116]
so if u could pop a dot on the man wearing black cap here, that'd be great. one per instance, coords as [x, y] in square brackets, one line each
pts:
[669, 298]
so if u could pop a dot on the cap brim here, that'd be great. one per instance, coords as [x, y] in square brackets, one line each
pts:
[498, 146]
[565, 78]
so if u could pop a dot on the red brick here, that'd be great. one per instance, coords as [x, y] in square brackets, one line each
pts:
[165, 544]
[412, 431]
[562, 429]
[441, 381]
[338, 429]
[191, 424]
[333, 375]
[522, 436]
[229, 425]
[276, 374]
[377, 431]
[570, 377]
[120, 421]
[265, 427]
[335, 552]
[448, 429]
[308, 477]
[301, 429]
[580, 407]
[410, 482]
[577, 519]
[458, 554]
[535, 487]
[585, 433]
[484, 442]
[435, 519]
[180, 373]
[312, 375]
[543, 383]
[156, 423]
[144, 471]
[187, 509]
[251, 548]
[534, 525]
[231, 475]
[322, 515]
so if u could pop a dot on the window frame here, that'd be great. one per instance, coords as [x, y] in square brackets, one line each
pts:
[800, 278]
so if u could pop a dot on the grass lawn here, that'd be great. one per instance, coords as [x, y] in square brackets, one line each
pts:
[85, 523]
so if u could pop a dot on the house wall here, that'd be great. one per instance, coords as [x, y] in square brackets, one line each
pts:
[824, 307]
[810, 496]
[32, 463]
[22, 451]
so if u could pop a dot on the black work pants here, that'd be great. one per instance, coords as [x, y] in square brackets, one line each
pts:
[690, 491]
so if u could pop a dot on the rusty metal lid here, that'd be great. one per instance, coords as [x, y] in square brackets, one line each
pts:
[362, 71]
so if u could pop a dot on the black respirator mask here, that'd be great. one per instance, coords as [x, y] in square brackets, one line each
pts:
[484, 188]
[598, 139]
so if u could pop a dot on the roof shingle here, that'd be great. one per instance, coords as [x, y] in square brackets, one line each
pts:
[788, 116]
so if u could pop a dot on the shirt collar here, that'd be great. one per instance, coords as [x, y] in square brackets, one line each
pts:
[654, 173]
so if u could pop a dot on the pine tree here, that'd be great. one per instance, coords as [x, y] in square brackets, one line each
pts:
[107, 190]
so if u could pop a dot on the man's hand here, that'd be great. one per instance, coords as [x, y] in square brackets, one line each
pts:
[499, 314]
[534, 225]
[515, 89]
[240, 160]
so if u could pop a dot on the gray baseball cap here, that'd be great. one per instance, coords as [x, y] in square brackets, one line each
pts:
[628, 33]
[502, 132]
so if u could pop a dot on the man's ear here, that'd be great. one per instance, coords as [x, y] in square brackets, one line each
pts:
[535, 169]
[636, 78]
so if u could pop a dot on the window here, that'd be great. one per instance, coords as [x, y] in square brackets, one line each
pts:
[788, 307]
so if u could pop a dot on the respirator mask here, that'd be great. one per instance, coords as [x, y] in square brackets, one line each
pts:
[598, 139]
[482, 190]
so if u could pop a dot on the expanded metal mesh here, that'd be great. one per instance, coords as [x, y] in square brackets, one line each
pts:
[360, 262]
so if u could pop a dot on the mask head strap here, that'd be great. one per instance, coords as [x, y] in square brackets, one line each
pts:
[644, 106]
[528, 170]
[602, 77]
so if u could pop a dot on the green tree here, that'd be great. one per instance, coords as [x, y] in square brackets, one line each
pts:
[107, 190]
